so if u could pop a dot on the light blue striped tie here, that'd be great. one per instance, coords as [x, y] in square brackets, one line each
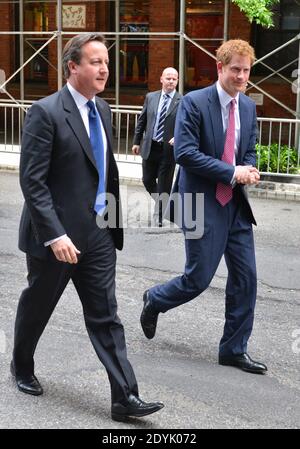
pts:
[161, 122]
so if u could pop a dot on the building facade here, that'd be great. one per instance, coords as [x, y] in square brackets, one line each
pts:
[142, 57]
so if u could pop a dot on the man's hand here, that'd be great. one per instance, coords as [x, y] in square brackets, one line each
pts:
[135, 149]
[64, 250]
[246, 174]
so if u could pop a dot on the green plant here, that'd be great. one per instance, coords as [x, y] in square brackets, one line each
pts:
[275, 159]
[257, 10]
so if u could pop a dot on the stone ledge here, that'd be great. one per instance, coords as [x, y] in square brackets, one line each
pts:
[274, 195]
[280, 178]
[130, 171]
[275, 190]
[131, 181]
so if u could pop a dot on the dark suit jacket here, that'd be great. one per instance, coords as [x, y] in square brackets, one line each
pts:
[199, 145]
[146, 123]
[58, 174]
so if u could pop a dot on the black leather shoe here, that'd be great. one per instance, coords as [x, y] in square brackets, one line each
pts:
[135, 408]
[244, 362]
[148, 317]
[27, 384]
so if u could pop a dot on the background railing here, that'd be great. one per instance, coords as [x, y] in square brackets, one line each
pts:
[278, 150]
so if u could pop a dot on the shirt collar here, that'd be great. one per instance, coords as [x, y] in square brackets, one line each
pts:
[171, 94]
[224, 97]
[79, 99]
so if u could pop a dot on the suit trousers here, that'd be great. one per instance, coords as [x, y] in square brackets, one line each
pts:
[231, 235]
[158, 172]
[94, 279]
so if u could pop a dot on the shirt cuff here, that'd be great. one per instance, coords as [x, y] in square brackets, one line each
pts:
[233, 181]
[54, 240]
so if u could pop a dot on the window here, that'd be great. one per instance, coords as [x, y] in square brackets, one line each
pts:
[134, 16]
[287, 25]
[204, 24]
[35, 19]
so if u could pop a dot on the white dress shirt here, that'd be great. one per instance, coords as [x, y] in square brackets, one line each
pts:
[81, 103]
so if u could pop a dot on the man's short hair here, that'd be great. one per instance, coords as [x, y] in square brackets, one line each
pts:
[73, 49]
[232, 47]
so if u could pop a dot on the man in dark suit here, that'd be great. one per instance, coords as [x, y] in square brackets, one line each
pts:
[215, 136]
[156, 127]
[67, 169]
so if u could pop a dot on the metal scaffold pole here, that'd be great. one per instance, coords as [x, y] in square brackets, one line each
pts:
[59, 44]
[117, 73]
[226, 17]
[297, 82]
[181, 69]
[21, 41]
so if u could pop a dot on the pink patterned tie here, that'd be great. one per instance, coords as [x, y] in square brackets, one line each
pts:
[224, 192]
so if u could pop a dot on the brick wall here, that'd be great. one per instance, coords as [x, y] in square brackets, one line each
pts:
[239, 26]
[281, 91]
[52, 51]
[6, 41]
[161, 53]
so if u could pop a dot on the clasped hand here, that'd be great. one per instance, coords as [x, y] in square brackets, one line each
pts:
[246, 174]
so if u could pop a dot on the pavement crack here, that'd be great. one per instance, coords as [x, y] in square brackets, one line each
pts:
[265, 284]
[142, 267]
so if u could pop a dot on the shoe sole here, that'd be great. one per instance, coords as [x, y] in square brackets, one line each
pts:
[32, 393]
[243, 369]
[145, 328]
[253, 371]
[121, 418]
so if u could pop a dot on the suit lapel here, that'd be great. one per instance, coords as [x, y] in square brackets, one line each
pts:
[155, 101]
[214, 109]
[105, 121]
[244, 121]
[74, 120]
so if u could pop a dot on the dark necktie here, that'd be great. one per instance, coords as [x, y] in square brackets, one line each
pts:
[98, 150]
[224, 191]
[161, 122]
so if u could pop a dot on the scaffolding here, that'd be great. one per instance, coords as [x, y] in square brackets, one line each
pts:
[180, 35]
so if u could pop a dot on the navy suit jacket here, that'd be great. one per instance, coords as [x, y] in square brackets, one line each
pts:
[199, 145]
[59, 177]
